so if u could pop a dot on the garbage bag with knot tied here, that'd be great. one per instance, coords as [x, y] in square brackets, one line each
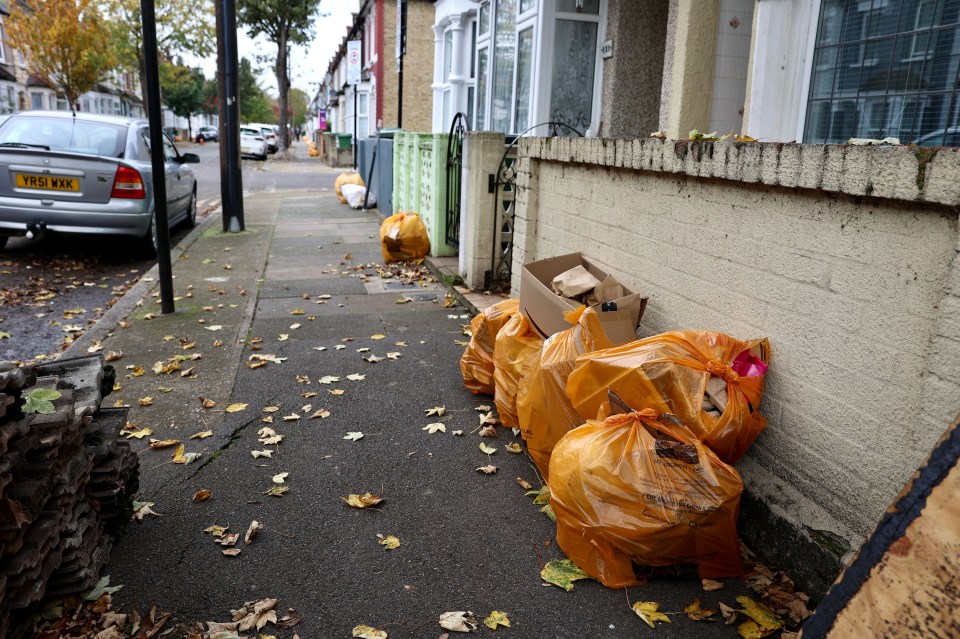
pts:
[712, 382]
[639, 488]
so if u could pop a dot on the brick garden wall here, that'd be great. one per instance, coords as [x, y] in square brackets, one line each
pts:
[845, 258]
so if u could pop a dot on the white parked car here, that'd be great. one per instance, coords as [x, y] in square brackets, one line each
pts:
[269, 136]
[252, 142]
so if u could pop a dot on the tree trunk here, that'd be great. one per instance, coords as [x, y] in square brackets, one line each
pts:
[283, 86]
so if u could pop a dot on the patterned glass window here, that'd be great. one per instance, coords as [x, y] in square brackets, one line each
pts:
[886, 68]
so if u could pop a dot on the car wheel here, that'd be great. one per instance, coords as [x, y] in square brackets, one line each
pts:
[191, 220]
[147, 246]
[262, 157]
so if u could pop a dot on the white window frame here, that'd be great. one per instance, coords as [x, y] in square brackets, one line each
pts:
[3, 43]
[544, 82]
[484, 43]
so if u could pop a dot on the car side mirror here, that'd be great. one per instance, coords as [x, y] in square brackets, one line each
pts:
[189, 158]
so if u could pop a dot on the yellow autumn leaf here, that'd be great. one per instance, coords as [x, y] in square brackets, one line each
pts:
[377, 336]
[235, 408]
[389, 542]
[202, 495]
[362, 501]
[145, 401]
[488, 450]
[202, 434]
[766, 619]
[298, 311]
[206, 403]
[180, 457]
[139, 434]
[514, 447]
[696, 613]
[496, 618]
[366, 632]
[336, 391]
[163, 443]
[647, 610]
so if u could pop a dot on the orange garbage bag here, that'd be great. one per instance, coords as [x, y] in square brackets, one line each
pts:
[543, 408]
[517, 350]
[671, 372]
[346, 178]
[403, 238]
[476, 364]
[638, 488]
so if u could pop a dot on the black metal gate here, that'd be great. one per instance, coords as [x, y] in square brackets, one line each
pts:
[504, 188]
[454, 172]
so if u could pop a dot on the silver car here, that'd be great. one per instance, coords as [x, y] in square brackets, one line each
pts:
[88, 174]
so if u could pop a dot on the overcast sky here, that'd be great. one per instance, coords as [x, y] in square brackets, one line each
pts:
[308, 63]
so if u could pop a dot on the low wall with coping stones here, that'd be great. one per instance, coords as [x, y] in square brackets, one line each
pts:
[844, 257]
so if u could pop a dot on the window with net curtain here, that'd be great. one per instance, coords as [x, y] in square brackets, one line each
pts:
[886, 68]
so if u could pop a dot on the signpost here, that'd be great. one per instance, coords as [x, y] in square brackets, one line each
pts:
[353, 78]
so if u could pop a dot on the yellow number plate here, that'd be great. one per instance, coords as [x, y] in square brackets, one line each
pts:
[47, 182]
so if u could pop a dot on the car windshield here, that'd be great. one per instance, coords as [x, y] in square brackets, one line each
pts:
[66, 134]
[253, 132]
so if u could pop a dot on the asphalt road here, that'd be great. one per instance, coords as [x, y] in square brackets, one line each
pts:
[42, 279]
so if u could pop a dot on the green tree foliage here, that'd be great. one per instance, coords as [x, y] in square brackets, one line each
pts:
[254, 103]
[183, 26]
[211, 97]
[182, 89]
[298, 107]
[67, 42]
[282, 22]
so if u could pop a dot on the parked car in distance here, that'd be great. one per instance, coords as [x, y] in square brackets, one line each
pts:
[252, 143]
[269, 135]
[88, 174]
[208, 134]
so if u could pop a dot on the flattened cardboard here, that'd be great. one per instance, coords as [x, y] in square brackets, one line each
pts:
[544, 308]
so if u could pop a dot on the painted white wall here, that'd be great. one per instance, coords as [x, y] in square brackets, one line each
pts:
[730, 66]
[454, 16]
[780, 61]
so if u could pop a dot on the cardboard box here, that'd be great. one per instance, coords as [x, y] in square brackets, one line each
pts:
[544, 308]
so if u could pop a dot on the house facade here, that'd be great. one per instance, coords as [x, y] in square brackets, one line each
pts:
[375, 100]
[779, 70]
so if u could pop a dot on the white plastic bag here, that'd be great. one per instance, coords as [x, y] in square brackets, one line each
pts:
[354, 194]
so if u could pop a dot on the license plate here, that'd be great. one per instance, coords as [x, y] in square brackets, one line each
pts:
[244, 149]
[47, 182]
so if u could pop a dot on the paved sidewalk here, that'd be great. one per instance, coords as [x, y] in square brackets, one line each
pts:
[290, 287]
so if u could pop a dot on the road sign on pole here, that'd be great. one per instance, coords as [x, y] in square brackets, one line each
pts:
[353, 62]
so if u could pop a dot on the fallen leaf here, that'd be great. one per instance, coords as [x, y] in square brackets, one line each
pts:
[562, 573]
[179, 457]
[202, 435]
[292, 417]
[729, 614]
[393, 355]
[363, 350]
[252, 531]
[458, 433]
[267, 358]
[339, 347]
[280, 478]
[514, 447]
[436, 410]
[206, 403]
[213, 327]
[766, 619]
[488, 431]
[489, 469]
[162, 389]
[143, 509]
[139, 434]
[282, 337]
[321, 414]
[228, 540]
[336, 391]
[488, 450]
[458, 621]
[328, 379]
[188, 372]
[294, 327]
[271, 409]
[436, 427]
[137, 371]
[319, 348]
[548, 511]
[236, 408]
[389, 542]
[488, 418]
[362, 501]
[216, 531]
[112, 356]
[377, 336]
[202, 495]
[272, 441]
[373, 359]
[231, 552]
[277, 491]
[353, 436]
[163, 443]
[496, 618]
[145, 401]
[647, 610]
[524, 483]
[540, 495]
[710, 585]
[696, 613]
[298, 311]
[356, 377]
[482, 408]
[262, 453]
[366, 632]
